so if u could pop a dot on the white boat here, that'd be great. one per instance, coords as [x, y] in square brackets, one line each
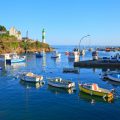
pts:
[60, 83]
[95, 55]
[113, 76]
[16, 58]
[82, 52]
[55, 54]
[31, 77]
[74, 55]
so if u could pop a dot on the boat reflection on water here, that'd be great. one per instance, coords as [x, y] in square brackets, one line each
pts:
[113, 83]
[17, 65]
[28, 85]
[57, 60]
[94, 99]
[73, 60]
[44, 62]
[60, 90]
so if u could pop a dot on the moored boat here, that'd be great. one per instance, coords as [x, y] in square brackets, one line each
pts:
[60, 83]
[93, 89]
[16, 58]
[31, 77]
[55, 54]
[66, 53]
[38, 54]
[75, 54]
[95, 55]
[82, 52]
[0, 68]
[112, 76]
[70, 70]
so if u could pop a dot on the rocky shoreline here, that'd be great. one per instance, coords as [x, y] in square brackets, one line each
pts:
[9, 44]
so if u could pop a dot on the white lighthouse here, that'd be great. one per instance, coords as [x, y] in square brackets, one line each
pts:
[43, 36]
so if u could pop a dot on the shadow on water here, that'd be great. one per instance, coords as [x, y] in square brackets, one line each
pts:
[28, 85]
[60, 90]
[94, 99]
[113, 83]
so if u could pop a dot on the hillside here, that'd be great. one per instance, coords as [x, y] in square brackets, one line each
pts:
[11, 44]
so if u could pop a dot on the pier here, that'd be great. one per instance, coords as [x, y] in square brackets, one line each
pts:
[97, 64]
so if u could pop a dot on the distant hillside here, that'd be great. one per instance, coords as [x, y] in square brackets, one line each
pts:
[11, 44]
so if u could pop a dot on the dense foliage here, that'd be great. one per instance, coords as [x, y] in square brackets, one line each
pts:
[2, 28]
[11, 44]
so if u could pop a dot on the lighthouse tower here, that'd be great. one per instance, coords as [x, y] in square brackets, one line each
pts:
[43, 36]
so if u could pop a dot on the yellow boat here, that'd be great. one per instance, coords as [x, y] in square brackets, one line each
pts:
[93, 89]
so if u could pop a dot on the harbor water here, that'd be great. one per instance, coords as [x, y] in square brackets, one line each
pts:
[28, 101]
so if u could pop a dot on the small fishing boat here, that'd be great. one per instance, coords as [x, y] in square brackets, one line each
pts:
[70, 70]
[82, 52]
[38, 55]
[112, 76]
[16, 58]
[66, 53]
[60, 83]
[93, 89]
[55, 54]
[95, 55]
[75, 54]
[90, 49]
[107, 49]
[31, 77]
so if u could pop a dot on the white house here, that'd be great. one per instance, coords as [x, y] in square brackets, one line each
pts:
[13, 31]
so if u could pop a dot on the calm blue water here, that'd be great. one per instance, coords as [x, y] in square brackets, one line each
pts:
[25, 101]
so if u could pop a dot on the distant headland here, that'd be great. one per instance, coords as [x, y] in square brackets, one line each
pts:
[12, 41]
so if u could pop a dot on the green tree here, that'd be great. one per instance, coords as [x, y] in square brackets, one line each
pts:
[2, 28]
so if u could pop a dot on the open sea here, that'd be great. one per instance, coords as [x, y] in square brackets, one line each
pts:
[26, 101]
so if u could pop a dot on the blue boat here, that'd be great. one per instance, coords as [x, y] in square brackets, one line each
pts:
[38, 55]
[0, 68]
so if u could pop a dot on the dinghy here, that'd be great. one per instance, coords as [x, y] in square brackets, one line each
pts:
[113, 76]
[38, 55]
[16, 58]
[31, 77]
[60, 83]
[70, 70]
[93, 89]
[55, 54]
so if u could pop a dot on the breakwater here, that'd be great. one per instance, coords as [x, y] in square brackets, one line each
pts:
[97, 64]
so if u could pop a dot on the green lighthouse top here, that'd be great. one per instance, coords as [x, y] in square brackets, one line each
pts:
[43, 30]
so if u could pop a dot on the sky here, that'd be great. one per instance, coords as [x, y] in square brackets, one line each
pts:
[65, 21]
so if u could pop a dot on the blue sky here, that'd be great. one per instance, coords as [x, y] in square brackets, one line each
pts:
[65, 21]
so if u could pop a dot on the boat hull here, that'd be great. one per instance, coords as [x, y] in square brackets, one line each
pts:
[61, 84]
[58, 85]
[17, 60]
[113, 78]
[70, 70]
[33, 78]
[95, 93]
